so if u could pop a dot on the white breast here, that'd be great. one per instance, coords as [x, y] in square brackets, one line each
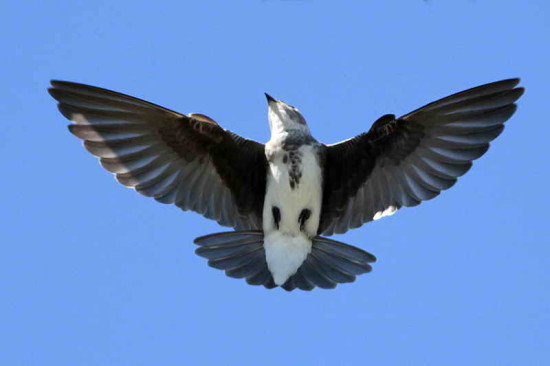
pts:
[287, 246]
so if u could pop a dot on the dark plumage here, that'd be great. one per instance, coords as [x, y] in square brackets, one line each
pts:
[241, 255]
[194, 163]
[189, 161]
[401, 162]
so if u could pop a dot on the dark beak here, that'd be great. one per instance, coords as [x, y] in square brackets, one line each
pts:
[270, 99]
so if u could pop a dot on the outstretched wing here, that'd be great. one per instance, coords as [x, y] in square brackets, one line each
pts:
[187, 160]
[401, 162]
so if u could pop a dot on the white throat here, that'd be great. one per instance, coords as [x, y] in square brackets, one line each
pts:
[281, 129]
[284, 122]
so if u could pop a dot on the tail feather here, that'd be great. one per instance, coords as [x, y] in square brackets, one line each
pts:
[344, 265]
[329, 263]
[231, 237]
[241, 254]
[316, 274]
[344, 250]
[298, 281]
[331, 271]
[237, 260]
[246, 270]
[231, 249]
[263, 277]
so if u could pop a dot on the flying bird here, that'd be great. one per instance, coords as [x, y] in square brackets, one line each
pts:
[284, 197]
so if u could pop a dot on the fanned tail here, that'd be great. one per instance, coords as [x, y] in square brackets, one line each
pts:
[329, 263]
[241, 254]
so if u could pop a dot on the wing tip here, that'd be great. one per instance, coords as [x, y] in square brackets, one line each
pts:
[512, 81]
[520, 91]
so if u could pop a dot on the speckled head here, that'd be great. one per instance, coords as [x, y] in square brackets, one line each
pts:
[284, 118]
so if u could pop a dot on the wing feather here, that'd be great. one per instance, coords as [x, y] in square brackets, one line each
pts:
[186, 160]
[403, 161]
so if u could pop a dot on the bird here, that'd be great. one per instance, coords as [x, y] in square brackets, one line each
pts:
[284, 198]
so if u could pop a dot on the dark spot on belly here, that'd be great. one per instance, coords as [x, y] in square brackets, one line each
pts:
[304, 215]
[292, 158]
[276, 216]
[294, 170]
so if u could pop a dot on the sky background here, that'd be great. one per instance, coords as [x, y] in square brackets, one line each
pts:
[92, 273]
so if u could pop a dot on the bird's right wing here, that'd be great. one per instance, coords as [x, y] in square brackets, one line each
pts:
[186, 160]
[403, 161]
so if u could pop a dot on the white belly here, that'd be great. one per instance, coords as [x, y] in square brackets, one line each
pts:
[287, 246]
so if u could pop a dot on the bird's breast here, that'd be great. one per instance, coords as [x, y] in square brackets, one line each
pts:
[294, 191]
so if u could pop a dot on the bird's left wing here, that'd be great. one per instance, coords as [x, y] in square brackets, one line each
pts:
[186, 160]
[403, 161]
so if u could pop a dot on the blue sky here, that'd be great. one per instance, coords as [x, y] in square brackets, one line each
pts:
[94, 274]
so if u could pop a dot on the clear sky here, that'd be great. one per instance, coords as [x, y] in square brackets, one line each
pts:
[92, 273]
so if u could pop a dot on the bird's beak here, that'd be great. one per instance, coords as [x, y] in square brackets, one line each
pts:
[270, 99]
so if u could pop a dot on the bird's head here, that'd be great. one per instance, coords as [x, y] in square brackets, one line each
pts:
[284, 118]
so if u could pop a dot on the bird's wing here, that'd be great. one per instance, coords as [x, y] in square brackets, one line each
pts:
[186, 160]
[401, 162]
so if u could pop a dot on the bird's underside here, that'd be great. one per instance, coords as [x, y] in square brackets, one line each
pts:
[192, 162]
